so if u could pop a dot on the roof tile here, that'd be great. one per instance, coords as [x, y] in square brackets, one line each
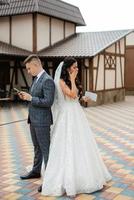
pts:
[54, 8]
[7, 49]
[85, 44]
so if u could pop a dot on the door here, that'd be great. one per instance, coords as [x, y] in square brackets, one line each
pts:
[129, 71]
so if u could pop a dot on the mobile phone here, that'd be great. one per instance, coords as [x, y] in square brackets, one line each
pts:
[18, 91]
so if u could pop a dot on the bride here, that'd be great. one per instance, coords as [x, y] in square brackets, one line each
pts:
[74, 165]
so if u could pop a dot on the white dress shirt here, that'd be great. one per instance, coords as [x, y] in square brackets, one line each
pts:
[39, 75]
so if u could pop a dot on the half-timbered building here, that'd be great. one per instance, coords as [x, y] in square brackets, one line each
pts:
[101, 58]
[48, 28]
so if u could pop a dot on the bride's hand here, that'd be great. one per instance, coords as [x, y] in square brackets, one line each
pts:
[73, 75]
[85, 99]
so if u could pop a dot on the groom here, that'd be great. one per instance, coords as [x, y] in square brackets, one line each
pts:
[40, 99]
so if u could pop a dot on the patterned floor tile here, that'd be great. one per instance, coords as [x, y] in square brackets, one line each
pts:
[47, 198]
[115, 190]
[85, 197]
[122, 197]
[113, 126]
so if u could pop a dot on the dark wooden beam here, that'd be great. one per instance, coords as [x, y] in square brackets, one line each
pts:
[98, 61]
[104, 71]
[50, 30]
[121, 65]
[115, 64]
[125, 61]
[91, 74]
[10, 29]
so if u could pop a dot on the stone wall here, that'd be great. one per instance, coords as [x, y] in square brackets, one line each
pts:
[105, 97]
[130, 92]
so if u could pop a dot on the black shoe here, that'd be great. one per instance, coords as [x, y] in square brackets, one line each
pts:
[40, 188]
[31, 175]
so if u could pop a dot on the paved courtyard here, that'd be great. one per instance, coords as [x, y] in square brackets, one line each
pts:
[113, 126]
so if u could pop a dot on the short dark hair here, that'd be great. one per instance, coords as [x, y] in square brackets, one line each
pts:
[31, 58]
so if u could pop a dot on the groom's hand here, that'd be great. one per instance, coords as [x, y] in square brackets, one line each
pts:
[25, 96]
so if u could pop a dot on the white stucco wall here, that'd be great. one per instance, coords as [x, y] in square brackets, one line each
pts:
[42, 32]
[69, 29]
[100, 80]
[121, 43]
[110, 74]
[109, 79]
[95, 61]
[57, 30]
[22, 33]
[120, 72]
[4, 29]
[111, 49]
[130, 39]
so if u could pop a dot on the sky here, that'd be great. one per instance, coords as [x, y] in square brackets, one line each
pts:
[105, 15]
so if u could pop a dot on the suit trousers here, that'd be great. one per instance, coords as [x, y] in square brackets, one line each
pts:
[41, 141]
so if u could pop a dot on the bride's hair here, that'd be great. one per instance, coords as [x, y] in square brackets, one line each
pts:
[68, 62]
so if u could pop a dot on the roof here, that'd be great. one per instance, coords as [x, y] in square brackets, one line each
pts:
[80, 45]
[85, 44]
[7, 49]
[54, 8]
[3, 2]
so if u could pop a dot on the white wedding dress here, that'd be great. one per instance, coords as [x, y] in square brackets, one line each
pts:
[74, 165]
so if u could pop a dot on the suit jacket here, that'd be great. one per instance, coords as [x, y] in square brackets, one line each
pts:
[42, 99]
